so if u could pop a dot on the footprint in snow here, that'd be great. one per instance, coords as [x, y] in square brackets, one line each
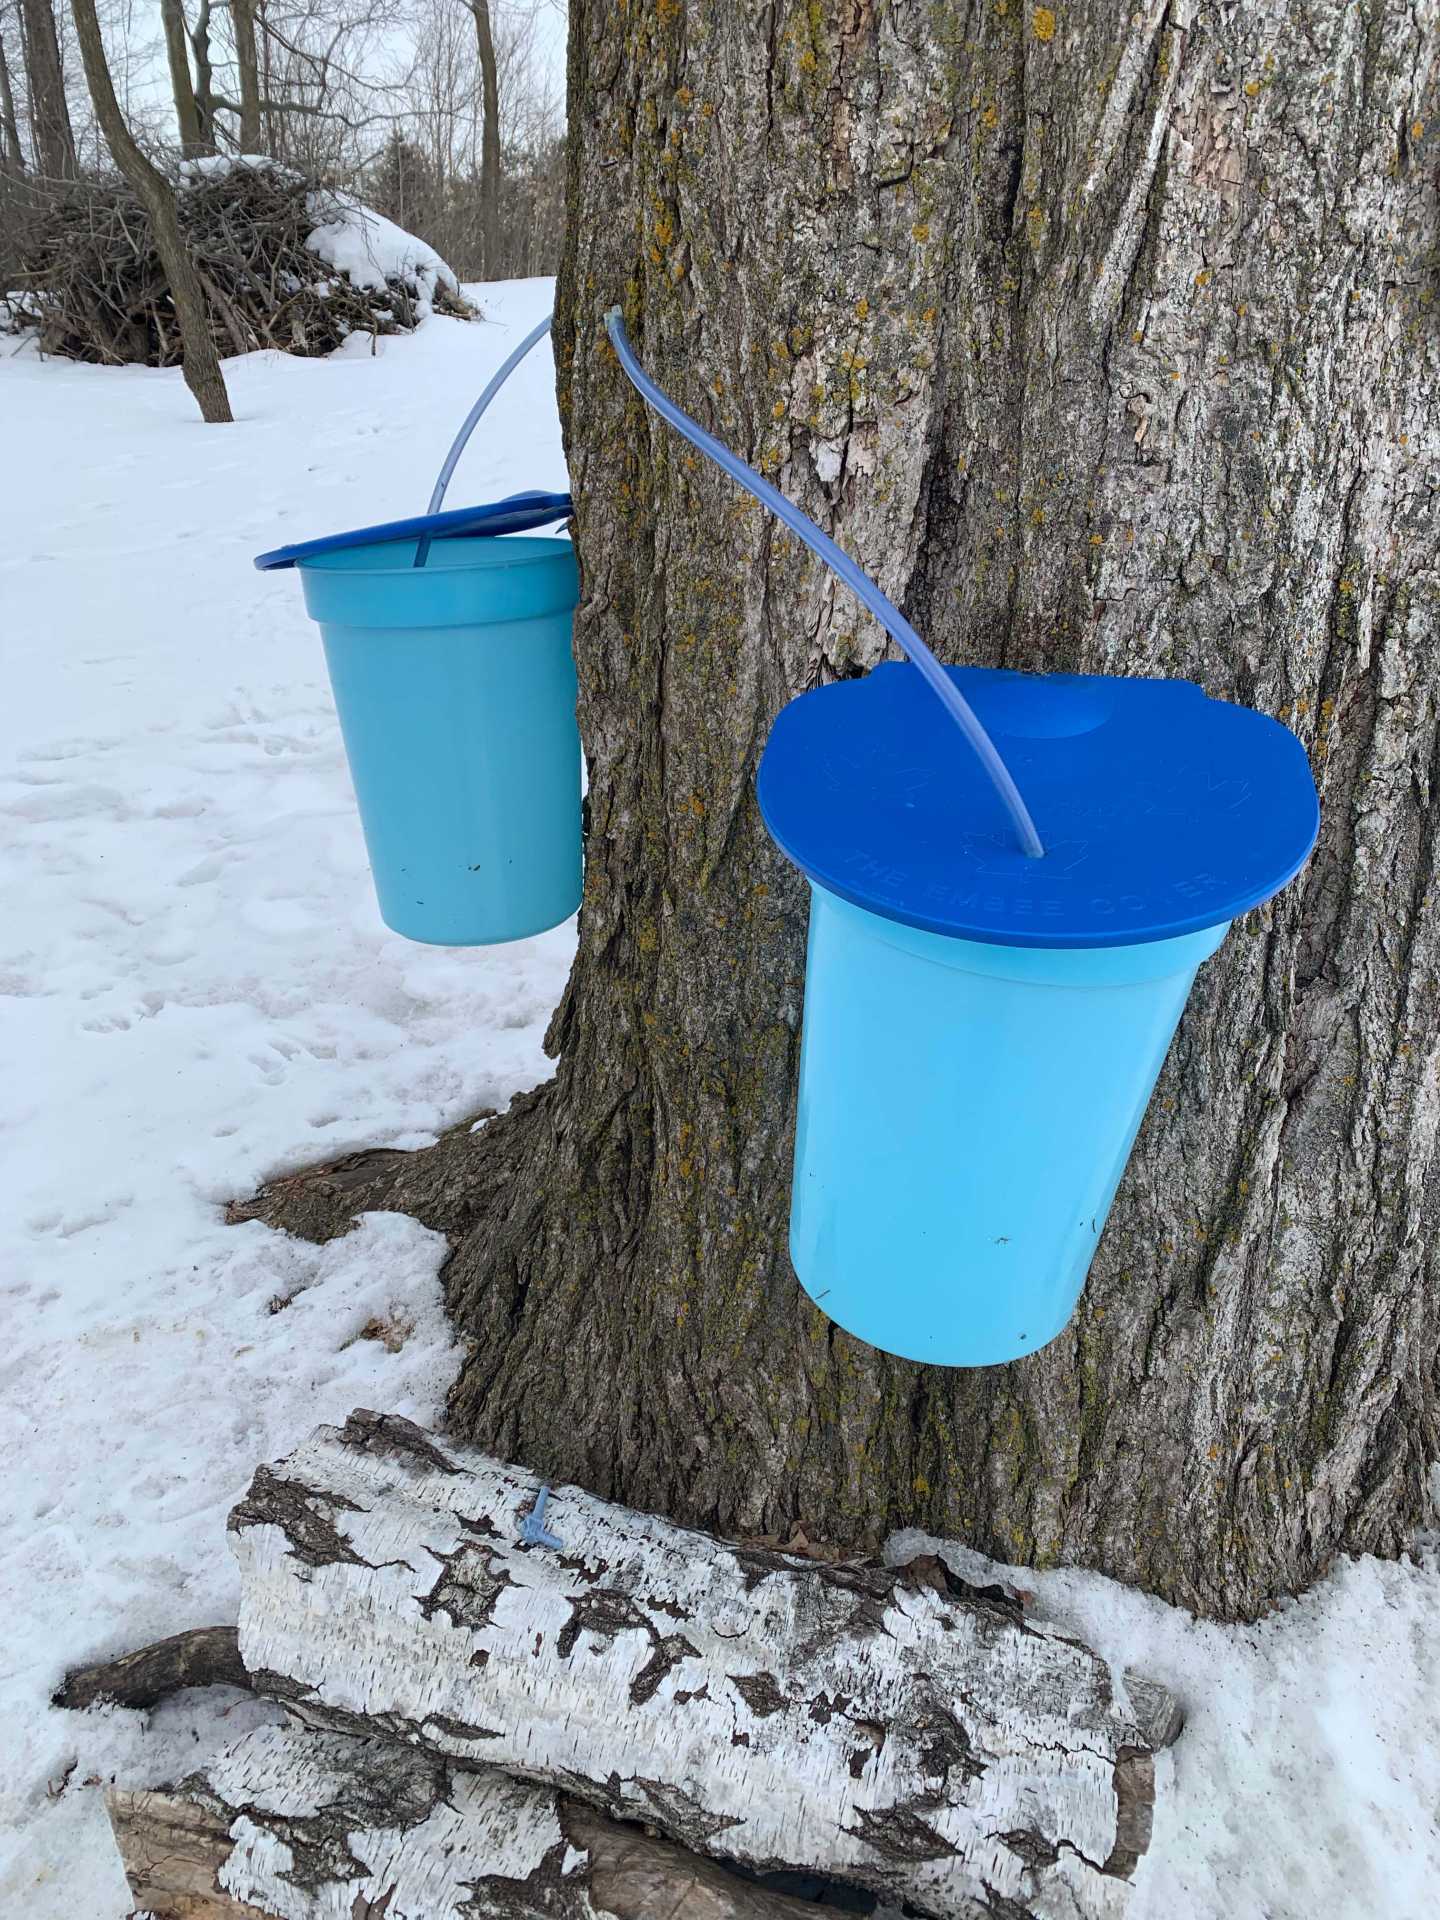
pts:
[106, 1023]
[69, 803]
[74, 749]
[65, 1226]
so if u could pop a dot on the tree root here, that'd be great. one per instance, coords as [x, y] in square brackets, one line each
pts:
[432, 1184]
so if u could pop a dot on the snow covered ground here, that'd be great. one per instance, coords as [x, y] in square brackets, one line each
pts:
[195, 992]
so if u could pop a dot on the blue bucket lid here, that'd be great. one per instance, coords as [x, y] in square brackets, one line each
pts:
[516, 513]
[1162, 811]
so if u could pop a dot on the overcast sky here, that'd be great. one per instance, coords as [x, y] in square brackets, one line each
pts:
[137, 49]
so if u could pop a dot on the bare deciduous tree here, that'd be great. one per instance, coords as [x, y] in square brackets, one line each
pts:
[431, 174]
[250, 130]
[201, 362]
[490, 147]
[12, 154]
[51, 133]
[182, 87]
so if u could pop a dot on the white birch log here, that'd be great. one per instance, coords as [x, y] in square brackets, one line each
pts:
[895, 1729]
[295, 1825]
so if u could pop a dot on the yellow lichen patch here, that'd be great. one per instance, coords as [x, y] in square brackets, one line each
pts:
[862, 309]
[990, 119]
[920, 231]
[1042, 20]
[1202, 279]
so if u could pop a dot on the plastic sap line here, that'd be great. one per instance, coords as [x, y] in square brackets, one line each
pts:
[472, 420]
[844, 568]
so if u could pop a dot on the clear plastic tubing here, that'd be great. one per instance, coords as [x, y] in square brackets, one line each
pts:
[472, 420]
[839, 563]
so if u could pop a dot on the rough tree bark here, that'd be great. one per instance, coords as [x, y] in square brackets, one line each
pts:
[1104, 335]
[489, 138]
[201, 362]
[51, 135]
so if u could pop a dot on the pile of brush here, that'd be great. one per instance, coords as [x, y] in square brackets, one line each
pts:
[285, 263]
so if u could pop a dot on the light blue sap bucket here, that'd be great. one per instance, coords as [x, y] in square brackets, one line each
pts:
[993, 981]
[965, 1114]
[450, 659]
[455, 688]
[983, 1030]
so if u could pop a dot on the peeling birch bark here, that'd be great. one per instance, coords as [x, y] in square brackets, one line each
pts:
[293, 1825]
[896, 1729]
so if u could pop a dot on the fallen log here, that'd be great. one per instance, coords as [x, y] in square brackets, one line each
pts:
[895, 1729]
[309, 1826]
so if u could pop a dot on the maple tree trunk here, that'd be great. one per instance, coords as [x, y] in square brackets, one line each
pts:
[1104, 337]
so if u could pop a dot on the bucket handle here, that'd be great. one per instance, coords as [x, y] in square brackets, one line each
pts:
[472, 420]
[840, 564]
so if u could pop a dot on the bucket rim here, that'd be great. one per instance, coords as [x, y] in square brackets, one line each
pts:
[516, 513]
[501, 556]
